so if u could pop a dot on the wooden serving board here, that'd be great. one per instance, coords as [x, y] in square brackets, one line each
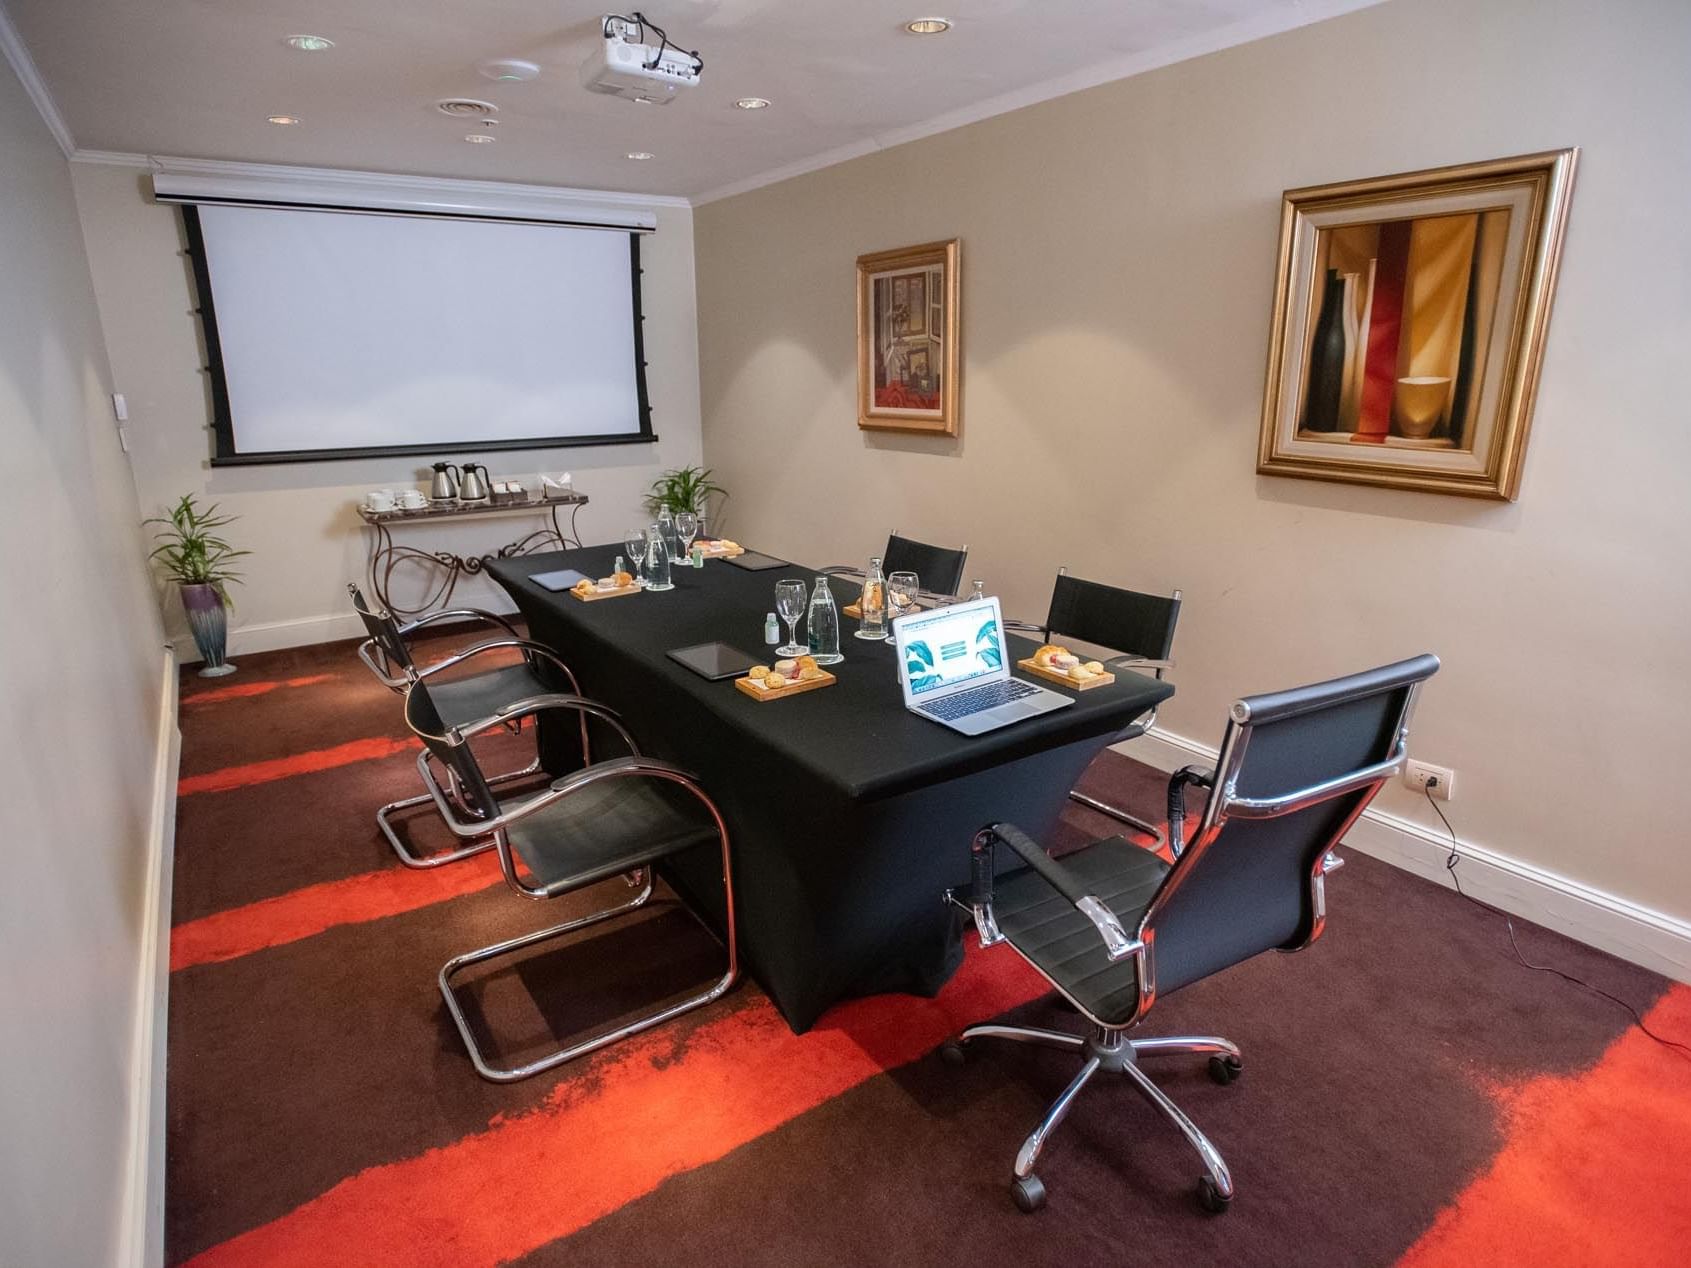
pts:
[721, 554]
[1063, 680]
[763, 694]
[607, 594]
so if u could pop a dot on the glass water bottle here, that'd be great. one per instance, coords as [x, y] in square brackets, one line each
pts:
[671, 539]
[822, 625]
[872, 624]
[657, 562]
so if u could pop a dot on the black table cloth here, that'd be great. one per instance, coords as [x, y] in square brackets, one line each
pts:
[848, 815]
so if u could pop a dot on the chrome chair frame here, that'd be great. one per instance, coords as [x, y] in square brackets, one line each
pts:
[1108, 1048]
[1136, 729]
[635, 765]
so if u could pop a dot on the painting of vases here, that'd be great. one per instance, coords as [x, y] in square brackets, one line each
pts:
[1409, 324]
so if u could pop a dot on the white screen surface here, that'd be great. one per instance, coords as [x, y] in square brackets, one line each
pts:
[348, 331]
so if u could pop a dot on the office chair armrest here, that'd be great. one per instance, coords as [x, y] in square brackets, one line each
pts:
[528, 647]
[1177, 802]
[532, 706]
[366, 653]
[1139, 662]
[1117, 944]
[463, 614]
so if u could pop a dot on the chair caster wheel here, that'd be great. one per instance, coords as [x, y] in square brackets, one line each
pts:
[953, 1053]
[1029, 1193]
[1225, 1069]
[1211, 1198]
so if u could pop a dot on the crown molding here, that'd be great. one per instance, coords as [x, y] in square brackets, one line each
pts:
[1245, 31]
[395, 189]
[12, 45]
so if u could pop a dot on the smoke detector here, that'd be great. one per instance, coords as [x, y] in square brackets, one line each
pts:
[508, 70]
[466, 107]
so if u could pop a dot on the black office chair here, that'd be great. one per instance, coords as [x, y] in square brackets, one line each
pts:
[1113, 927]
[938, 568]
[1139, 627]
[611, 818]
[462, 701]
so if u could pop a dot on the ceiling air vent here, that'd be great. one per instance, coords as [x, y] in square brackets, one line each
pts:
[465, 107]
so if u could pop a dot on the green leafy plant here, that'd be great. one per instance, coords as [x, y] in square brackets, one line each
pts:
[189, 550]
[683, 489]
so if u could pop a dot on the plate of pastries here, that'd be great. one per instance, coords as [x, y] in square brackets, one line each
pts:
[1058, 664]
[611, 587]
[784, 678]
[721, 548]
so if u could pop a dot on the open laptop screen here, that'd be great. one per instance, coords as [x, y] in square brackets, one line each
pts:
[950, 646]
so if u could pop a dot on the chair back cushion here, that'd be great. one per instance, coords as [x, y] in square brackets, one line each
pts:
[449, 748]
[383, 631]
[938, 568]
[1247, 884]
[1126, 621]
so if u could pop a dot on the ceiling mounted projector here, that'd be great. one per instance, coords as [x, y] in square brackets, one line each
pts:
[627, 65]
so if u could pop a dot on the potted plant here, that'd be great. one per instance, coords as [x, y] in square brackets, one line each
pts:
[198, 561]
[683, 489]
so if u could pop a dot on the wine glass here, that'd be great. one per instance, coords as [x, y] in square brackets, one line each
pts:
[635, 540]
[902, 588]
[687, 528]
[789, 602]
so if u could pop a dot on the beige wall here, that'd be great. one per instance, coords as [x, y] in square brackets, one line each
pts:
[298, 519]
[1118, 258]
[80, 695]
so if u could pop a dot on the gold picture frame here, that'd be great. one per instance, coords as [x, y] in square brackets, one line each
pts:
[909, 367]
[1410, 315]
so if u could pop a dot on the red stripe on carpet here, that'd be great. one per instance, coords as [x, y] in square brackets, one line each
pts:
[241, 690]
[600, 1142]
[299, 764]
[290, 917]
[1560, 1191]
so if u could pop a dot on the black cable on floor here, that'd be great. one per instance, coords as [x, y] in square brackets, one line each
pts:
[1450, 866]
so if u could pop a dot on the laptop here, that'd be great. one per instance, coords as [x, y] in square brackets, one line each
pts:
[953, 670]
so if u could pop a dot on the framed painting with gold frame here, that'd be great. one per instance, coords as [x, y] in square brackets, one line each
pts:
[1410, 315]
[908, 362]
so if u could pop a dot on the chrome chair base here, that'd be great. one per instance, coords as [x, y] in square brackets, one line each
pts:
[513, 1074]
[1112, 1052]
[425, 861]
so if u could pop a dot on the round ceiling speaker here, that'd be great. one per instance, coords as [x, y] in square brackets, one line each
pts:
[465, 107]
[508, 70]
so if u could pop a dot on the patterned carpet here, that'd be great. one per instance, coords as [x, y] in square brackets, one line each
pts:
[1411, 1094]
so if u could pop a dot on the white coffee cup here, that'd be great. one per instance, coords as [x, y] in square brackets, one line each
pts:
[379, 500]
[412, 499]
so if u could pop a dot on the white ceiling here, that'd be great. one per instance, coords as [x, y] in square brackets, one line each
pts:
[197, 78]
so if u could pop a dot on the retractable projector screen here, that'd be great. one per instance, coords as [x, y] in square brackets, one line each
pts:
[342, 334]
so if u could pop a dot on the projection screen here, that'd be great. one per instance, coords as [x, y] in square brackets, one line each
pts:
[339, 334]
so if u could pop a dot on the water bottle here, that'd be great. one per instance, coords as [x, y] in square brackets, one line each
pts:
[822, 625]
[671, 539]
[979, 592]
[657, 562]
[872, 624]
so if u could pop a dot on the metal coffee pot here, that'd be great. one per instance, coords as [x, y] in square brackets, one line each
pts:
[474, 486]
[444, 486]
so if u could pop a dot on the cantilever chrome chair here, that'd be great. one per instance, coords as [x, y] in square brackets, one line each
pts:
[1115, 928]
[462, 700]
[1139, 628]
[938, 568]
[611, 818]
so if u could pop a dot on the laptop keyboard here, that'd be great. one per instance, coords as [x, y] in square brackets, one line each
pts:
[976, 699]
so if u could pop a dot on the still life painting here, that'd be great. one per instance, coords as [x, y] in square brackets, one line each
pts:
[1409, 325]
[907, 349]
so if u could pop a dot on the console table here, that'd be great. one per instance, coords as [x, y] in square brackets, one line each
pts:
[387, 554]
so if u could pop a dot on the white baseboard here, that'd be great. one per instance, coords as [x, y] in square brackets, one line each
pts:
[1639, 934]
[141, 1237]
[271, 636]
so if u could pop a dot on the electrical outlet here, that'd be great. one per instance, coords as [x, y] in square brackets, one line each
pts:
[1440, 781]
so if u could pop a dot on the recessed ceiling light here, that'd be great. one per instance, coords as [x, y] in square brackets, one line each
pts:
[284, 120]
[309, 43]
[639, 155]
[928, 26]
[509, 70]
[752, 103]
[480, 138]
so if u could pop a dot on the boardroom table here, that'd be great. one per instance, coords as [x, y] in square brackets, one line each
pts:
[848, 816]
